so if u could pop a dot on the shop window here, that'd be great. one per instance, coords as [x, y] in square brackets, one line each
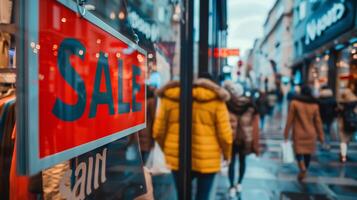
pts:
[318, 73]
[347, 69]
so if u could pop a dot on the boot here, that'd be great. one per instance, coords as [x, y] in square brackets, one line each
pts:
[302, 173]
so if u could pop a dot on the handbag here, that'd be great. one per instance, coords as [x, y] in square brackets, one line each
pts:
[156, 161]
[287, 152]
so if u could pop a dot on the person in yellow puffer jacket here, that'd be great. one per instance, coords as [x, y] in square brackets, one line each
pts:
[211, 130]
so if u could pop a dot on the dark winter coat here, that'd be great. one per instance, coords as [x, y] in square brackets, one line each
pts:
[328, 109]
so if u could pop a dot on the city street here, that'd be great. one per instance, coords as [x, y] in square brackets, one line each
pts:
[268, 179]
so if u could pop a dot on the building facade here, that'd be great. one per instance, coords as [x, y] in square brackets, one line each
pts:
[272, 55]
[276, 43]
[325, 44]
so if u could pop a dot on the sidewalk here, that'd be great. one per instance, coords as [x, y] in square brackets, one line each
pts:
[268, 179]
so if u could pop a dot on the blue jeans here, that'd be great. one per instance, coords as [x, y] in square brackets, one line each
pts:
[204, 183]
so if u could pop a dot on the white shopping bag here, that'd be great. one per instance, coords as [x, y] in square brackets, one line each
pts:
[287, 152]
[224, 168]
[156, 161]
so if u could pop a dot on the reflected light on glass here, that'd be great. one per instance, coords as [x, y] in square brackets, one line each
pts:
[140, 58]
[326, 57]
[339, 46]
[41, 77]
[121, 15]
[226, 69]
[112, 15]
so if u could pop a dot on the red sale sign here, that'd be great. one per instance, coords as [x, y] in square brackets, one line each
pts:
[85, 85]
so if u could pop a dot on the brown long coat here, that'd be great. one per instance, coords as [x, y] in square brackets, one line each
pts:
[305, 122]
[146, 139]
[244, 124]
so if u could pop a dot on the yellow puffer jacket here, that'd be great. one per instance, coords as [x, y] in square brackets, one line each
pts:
[211, 130]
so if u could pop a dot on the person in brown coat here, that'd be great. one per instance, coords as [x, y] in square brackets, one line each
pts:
[305, 122]
[146, 140]
[245, 125]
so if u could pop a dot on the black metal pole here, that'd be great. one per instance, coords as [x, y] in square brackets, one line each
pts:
[203, 44]
[186, 76]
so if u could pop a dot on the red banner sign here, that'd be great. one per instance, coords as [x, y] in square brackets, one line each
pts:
[90, 88]
[224, 52]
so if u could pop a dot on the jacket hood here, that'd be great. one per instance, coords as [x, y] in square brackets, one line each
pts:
[234, 89]
[203, 90]
[305, 99]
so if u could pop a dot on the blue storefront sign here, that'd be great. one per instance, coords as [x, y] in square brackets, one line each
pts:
[331, 20]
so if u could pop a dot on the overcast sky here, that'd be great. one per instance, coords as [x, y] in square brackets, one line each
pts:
[245, 22]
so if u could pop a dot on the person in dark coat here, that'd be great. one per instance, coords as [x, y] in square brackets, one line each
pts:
[262, 108]
[347, 120]
[328, 112]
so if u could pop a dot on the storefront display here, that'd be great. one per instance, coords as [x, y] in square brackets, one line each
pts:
[318, 73]
[73, 76]
[327, 46]
[347, 69]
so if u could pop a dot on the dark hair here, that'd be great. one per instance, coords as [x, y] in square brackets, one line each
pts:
[206, 75]
[325, 87]
[306, 91]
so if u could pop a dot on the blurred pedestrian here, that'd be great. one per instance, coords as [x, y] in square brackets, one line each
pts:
[262, 108]
[347, 120]
[305, 121]
[146, 139]
[328, 112]
[211, 131]
[245, 124]
[296, 90]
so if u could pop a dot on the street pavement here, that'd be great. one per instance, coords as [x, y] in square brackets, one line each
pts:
[267, 178]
